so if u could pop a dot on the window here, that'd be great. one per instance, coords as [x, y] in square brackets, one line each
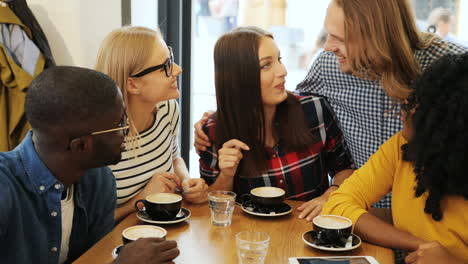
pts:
[295, 24]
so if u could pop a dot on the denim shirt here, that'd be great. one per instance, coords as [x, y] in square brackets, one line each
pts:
[30, 208]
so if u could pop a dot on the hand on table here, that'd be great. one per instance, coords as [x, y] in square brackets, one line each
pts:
[201, 139]
[148, 250]
[312, 208]
[431, 253]
[195, 190]
[161, 182]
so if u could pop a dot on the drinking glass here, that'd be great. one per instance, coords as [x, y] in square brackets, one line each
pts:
[252, 247]
[222, 205]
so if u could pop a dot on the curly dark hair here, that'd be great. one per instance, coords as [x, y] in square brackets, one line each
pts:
[438, 148]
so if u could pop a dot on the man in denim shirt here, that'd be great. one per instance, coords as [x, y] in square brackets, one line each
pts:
[56, 199]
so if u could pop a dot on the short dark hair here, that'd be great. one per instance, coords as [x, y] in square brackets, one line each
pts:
[440, 122]
[65, 94]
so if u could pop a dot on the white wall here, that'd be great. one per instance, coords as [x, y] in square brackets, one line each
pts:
[145, 13]
[463, 23]
[308, 15]
[75, 28]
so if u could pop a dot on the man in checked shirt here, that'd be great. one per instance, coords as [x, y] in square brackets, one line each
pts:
[373, 53]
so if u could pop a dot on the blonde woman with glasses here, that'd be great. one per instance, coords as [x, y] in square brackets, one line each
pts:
[141, 63]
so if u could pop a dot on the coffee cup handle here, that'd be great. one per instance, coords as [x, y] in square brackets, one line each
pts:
[142, 209]
[246, 197]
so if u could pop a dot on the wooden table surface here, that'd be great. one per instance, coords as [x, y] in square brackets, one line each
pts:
[201, 242]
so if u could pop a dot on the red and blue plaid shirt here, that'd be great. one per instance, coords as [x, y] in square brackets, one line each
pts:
[303, 175]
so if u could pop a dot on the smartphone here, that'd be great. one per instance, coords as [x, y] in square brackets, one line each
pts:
[334, 260]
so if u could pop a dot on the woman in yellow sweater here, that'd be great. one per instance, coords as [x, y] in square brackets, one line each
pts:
[425, 168]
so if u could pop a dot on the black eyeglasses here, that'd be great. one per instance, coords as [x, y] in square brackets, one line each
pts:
[167, 65]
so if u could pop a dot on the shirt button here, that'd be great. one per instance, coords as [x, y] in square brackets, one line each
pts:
[385, 114]
[54, 249]
[54, 214]
[41, 187]
[281, 181]
[57, 186]
[274, 155]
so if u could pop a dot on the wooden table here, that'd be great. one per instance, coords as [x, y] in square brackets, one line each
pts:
[201, 242]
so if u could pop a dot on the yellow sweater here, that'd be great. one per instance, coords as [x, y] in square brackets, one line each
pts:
[386, 171]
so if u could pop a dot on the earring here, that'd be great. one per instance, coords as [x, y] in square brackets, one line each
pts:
[4, 3]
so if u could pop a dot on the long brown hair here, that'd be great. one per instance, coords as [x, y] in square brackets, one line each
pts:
[240, 112]
[383, 37]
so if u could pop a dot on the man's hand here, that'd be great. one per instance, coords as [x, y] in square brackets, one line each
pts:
[195, 190]
[431, 253]
[201, 139]
[312, 208]
[148, 250]
[230, 155]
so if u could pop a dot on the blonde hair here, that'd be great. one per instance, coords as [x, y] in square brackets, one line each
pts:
[123, 53]
[384, 37]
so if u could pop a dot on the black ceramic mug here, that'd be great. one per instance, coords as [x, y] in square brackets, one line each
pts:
[161, 206]
[332, 230]
[140, 231]
[265, 197]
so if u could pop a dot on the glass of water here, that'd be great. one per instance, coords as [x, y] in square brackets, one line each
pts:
[252, 247]
[222, 205]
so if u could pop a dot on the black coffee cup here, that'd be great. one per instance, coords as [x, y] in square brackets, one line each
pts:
[161, 206]
[265, 197]
[332, 230]
[140, 231]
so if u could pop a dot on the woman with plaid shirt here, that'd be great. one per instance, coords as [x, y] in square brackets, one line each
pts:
[265, 136]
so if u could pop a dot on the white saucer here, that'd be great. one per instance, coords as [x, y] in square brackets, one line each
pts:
[116, 250]
[249, 210]
[307, 238]
[183, 215]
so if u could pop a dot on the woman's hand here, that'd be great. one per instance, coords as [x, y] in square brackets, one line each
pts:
[201, 139]
[312, 208]
[431, 253]
[195, 190]
[230, 155]
[161, 182]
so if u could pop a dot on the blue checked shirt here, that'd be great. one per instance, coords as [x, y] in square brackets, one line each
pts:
[362, 107]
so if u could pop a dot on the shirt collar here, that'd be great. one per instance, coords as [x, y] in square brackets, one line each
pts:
[41, 177]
